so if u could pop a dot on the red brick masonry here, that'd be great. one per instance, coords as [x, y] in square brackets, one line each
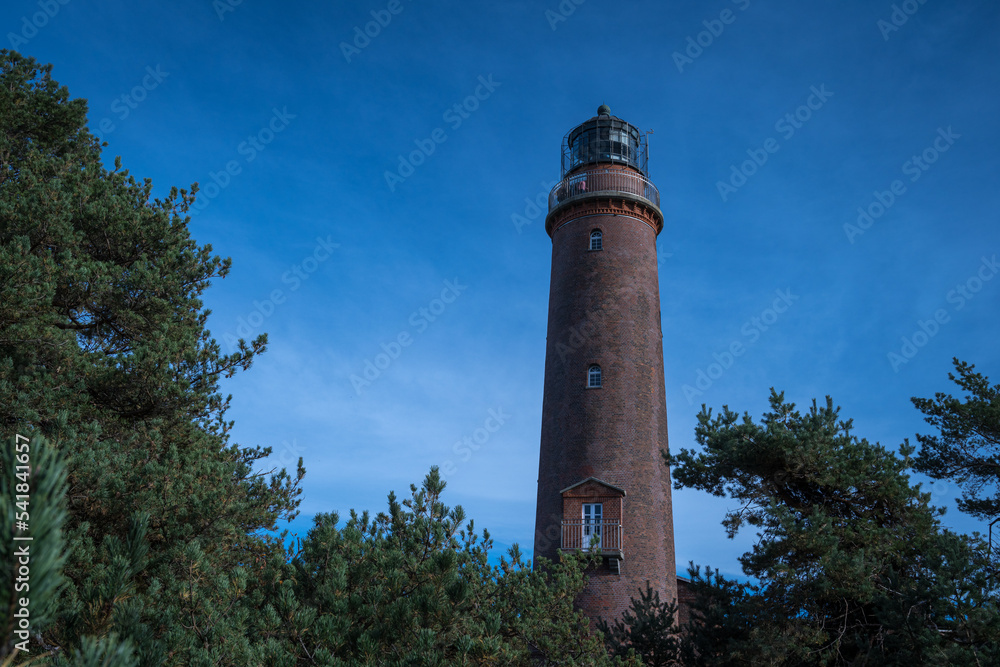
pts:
[604, 308]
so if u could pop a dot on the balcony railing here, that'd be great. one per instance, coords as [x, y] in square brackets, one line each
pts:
[604, 537]
[604, 181]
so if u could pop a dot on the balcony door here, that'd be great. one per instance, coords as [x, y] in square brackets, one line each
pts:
[593, 520]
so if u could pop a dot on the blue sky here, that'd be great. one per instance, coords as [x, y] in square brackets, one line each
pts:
[773, 124]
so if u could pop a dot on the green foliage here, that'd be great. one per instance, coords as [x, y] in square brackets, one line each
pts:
[148, 517]
[147, 520]
[648, 630]
[413, 586]
[44, 582]
[967, 451]
[100, 652]
[104, 352]
[852, 566]
[43, 508]
[724, 621]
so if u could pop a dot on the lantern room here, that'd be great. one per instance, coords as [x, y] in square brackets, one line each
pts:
[604, 139]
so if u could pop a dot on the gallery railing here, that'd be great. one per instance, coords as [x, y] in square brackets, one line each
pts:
[604, 181]
[603, 536]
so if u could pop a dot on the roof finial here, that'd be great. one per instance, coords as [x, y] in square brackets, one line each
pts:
[604, 110]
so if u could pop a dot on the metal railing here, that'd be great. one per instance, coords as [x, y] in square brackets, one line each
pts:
[608, 532]
[604, 180]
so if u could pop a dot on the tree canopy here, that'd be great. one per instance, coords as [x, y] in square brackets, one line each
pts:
[851, 566]
[414, 586]
[104, 354]
[153, 533]
[154, 530]
[967, 448]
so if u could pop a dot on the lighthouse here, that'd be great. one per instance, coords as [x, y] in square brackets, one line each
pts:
[602, 484]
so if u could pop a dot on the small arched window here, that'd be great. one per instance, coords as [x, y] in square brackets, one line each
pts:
[596, 240]
[594, 377]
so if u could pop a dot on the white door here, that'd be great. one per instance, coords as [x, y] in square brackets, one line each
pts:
[593, 517]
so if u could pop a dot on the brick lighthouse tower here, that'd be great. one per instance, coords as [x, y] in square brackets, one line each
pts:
[602, 483]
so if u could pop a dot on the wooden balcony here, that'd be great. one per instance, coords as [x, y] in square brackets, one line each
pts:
[604, 538]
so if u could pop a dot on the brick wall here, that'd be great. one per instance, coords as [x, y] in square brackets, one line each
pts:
[685, 599]
[604, 308]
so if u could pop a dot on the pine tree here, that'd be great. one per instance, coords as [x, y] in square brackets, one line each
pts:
[851, 565]
[104, 352]
[725, 623]
[414, 586]
[967, 451]
[32, 512]
[648, 630]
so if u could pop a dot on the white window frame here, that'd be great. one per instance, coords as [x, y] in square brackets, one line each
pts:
[594, 372]
[598, 236]
[593, 524]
